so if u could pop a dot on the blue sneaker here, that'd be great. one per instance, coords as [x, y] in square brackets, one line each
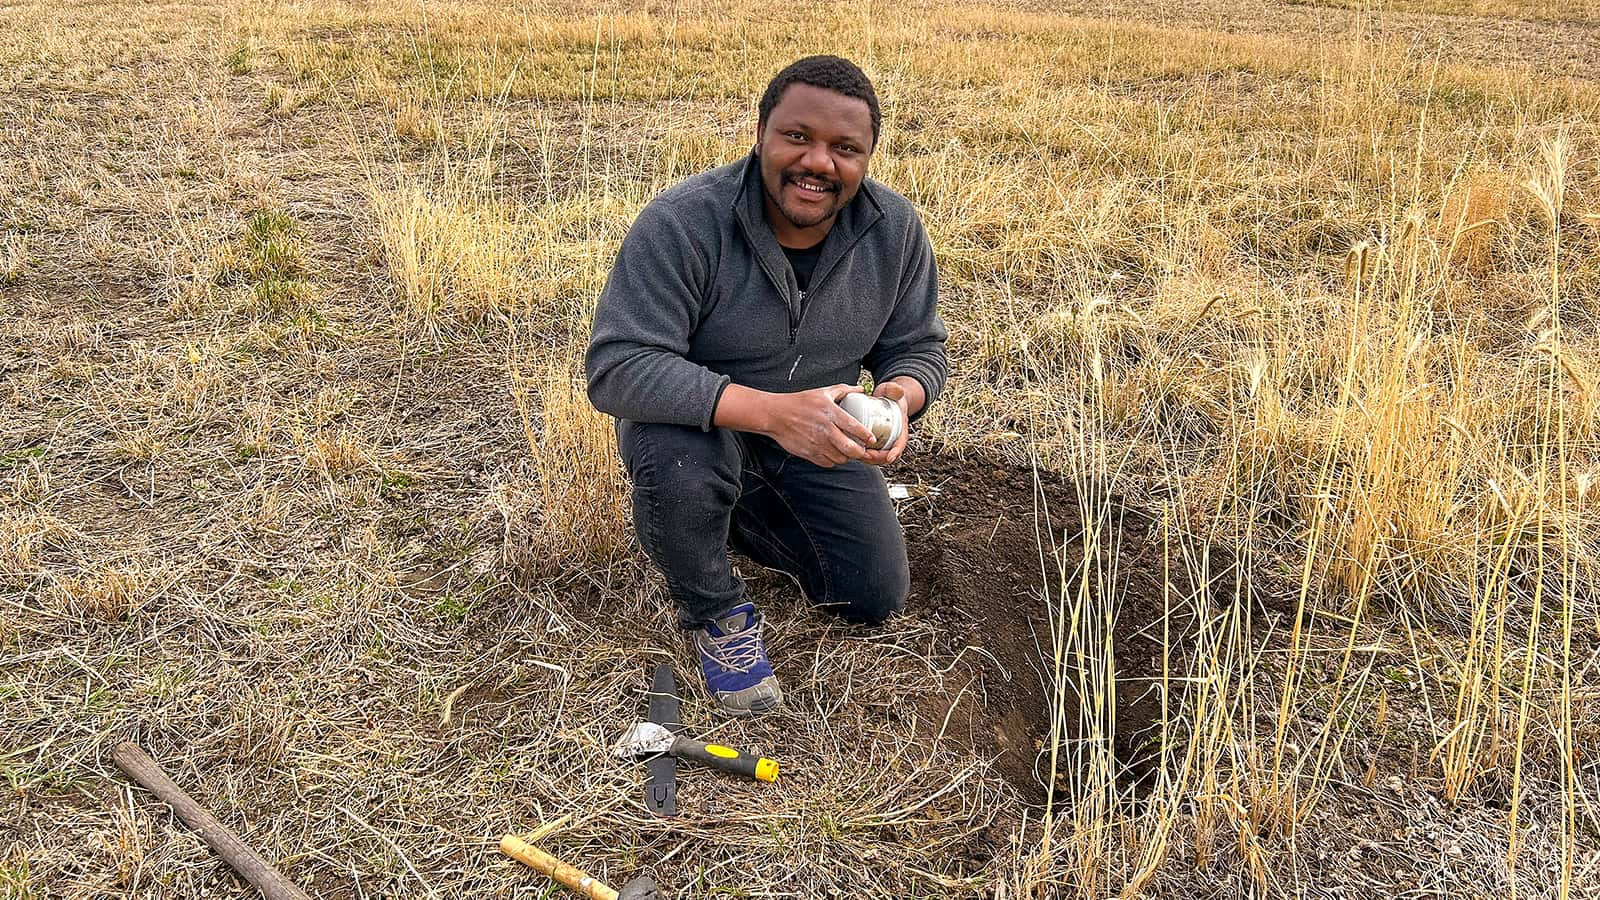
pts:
[734, 661]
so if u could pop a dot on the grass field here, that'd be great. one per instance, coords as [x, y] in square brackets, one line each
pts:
[301, 491]
[1547, 10]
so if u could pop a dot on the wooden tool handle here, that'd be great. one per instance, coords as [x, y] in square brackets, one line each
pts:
[545, 864]
[138, 765]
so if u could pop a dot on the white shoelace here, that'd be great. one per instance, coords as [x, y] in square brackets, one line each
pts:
[736, 652]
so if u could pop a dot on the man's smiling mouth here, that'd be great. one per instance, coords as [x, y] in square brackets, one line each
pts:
[813, 187]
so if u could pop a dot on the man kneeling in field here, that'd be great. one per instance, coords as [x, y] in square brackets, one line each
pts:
[743, 305]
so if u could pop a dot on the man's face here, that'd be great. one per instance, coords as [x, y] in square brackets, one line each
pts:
[814, 149]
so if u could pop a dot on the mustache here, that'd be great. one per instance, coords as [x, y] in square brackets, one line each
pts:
[791, 176]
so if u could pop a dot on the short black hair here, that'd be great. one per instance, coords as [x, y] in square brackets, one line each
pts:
[831, 73]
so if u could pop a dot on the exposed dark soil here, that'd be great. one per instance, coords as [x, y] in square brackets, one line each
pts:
[991, 549]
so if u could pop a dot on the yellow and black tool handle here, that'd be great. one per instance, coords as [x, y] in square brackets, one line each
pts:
[727, 759]
[570, 876]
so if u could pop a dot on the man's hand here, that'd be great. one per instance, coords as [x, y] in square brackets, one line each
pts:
[812, 425]
[895, 389]
[809, 424]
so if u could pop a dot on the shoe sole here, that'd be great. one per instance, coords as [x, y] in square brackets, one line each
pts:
[760, 707]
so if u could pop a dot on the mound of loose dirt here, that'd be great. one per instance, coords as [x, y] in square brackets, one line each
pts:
[988, 544]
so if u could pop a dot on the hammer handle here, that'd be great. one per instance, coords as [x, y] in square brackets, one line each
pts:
[545, 864]
[138, 765]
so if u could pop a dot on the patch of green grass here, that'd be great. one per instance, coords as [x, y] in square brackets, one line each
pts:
[270, 248]
[378, 645]
[277, 295]
[20, 455]
[101, 703]
[269, 259]
[1398, 675]
[460, 543]
[396, 483]
[167, 681]
[41, 779]
[273, 242]
[286, 585]
[15, 878]
[241, 61]
[451, 609]
[302, 325]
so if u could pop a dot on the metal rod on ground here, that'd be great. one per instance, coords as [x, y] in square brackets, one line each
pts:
[138, 765]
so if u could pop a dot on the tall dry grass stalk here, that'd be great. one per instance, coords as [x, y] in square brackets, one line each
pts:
[1082, 614]
[580, 518]
[445, 253]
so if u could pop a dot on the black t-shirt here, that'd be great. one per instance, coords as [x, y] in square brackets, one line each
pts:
[804, 262]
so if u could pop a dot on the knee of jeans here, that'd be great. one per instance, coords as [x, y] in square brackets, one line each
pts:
[691, 489]
[882, 594]
[684, 466]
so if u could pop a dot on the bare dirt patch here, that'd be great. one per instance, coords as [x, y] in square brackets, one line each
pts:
[996, 553]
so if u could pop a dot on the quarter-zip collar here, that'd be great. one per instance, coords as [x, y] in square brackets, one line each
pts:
[749, 207]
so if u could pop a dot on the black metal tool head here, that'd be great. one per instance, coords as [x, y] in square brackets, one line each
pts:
[641, 889]
[661, 790]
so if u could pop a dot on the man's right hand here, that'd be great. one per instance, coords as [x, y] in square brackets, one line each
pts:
[813, 426]
[809, 424]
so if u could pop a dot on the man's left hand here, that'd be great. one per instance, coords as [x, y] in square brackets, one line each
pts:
[895, 391]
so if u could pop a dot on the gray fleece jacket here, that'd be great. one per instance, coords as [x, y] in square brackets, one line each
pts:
[702, 295]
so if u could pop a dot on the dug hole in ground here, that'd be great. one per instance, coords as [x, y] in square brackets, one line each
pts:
[997, 570]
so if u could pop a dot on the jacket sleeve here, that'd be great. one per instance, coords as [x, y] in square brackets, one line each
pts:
[912, 342]
[643, 322]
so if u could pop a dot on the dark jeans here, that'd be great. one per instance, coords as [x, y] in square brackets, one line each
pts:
[695, 492]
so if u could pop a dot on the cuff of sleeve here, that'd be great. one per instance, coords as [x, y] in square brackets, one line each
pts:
[716, 398]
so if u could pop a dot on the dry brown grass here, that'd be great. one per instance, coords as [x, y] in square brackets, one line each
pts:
[301, 490]
[109, 596]
[579, 519]
[1476, 218]
[1548, 10]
